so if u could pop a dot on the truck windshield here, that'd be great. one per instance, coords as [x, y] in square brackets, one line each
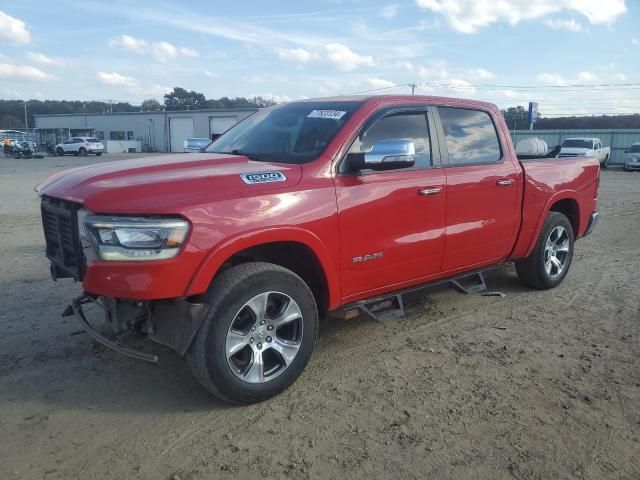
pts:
[294, 132]
[577, 143]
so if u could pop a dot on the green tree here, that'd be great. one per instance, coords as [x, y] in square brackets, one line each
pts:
[150, 105]
[517, 118]
[181, 99]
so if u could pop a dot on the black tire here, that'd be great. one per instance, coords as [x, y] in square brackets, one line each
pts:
[531, 270]
[98, 154]
[605, 163]
[82, 151]
[228, 294]
[60, 152]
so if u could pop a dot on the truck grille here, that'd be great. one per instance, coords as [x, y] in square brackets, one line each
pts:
[60, 224]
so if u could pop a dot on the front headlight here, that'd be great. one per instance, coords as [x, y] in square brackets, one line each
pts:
[126, 239]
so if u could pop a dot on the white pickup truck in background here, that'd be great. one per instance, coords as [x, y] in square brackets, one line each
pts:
[585, 147]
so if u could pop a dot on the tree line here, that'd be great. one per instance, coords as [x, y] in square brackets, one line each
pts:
[517, 118]
[12, 111]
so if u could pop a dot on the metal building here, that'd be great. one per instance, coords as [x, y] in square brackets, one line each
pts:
[618, 139]
[140, 131]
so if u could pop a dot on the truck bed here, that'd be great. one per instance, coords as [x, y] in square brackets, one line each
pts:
[545, 184]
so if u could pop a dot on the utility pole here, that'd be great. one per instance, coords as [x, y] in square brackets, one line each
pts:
[413, 88]
[26, 120]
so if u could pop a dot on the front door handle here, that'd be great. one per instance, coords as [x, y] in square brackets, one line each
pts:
[429, 191]
[505, 182]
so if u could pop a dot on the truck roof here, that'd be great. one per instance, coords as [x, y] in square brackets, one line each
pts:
[581, 138]
[375, 99]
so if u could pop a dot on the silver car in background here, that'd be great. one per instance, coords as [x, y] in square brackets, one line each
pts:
[632, 158]
[193, 145]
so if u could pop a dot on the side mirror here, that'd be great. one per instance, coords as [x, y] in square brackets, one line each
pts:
[626, 151]
[384, 155]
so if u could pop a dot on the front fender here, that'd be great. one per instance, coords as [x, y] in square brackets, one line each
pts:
[219, 254]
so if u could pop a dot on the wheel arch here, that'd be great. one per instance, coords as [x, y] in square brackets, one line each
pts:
[563, 202]
[295, 249]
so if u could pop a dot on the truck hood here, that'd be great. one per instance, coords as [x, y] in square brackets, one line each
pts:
[165, 184]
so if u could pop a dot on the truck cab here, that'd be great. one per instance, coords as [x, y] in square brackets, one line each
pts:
[324, 206]
[585, 147]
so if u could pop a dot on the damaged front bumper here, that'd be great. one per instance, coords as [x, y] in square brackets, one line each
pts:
[173, 323]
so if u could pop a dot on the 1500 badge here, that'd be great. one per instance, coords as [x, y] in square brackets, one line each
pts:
[262, 177]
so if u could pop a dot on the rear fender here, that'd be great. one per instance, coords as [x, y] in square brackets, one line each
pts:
[230, 246]
[557, 197]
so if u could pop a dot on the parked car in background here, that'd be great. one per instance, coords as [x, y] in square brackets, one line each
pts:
[308, 207]
[195, 144]
[80, 146]
[585, 147]
[632, 158]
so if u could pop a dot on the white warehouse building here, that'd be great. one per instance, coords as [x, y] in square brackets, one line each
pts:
[140, 131]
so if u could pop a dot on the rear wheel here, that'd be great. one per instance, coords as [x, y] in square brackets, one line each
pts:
[82, 151]
[605, 163]
[59, 151]
[98, 154]
[551, 258]
[258, 335]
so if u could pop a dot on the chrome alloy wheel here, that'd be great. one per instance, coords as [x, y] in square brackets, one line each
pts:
[556, 251]
[264, 337]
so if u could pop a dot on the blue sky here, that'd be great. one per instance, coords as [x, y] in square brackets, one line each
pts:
[287, 50]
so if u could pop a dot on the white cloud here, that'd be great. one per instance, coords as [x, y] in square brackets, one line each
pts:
[24, 72]
[127, 42]
[481, 74]
[587, 77]
[13, 30]
[161, 51]
[210, 74]
[406, 66]
[115, 79]
[379, 83]
[621, 76]
[470, 15]
[389, 11]
[635, 41]
[43, 59]
[298, 56]
[560, 24]
[552, 79]
[189, 52]
[343, 58]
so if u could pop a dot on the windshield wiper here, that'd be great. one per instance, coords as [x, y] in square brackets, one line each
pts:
[240, 152]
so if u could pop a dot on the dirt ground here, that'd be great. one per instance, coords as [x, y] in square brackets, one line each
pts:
[534, 385]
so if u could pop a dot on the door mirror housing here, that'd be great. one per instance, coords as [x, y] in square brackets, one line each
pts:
[384, 155]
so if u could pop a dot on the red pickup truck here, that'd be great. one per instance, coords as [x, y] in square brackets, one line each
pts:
[231, 256]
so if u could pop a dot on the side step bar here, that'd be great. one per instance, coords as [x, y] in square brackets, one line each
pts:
[389, 307]
[76, 309]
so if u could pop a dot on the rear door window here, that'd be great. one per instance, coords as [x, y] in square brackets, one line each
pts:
[470, 135]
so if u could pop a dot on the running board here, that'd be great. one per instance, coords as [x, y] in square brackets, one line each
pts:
[388, 307]
[473, 283]
[383, 309]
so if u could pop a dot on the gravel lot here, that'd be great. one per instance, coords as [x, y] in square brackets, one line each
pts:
[534, 385]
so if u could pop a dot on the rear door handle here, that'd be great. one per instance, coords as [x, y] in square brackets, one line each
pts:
[429, 191]
[505, 182]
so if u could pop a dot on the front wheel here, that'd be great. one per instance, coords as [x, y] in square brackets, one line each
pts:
[551, 258]
[98, 154]
[258, 334]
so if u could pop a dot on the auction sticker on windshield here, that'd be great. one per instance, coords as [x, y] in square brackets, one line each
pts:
[331, 114]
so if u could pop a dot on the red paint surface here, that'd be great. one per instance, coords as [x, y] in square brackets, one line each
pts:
[472, 223]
